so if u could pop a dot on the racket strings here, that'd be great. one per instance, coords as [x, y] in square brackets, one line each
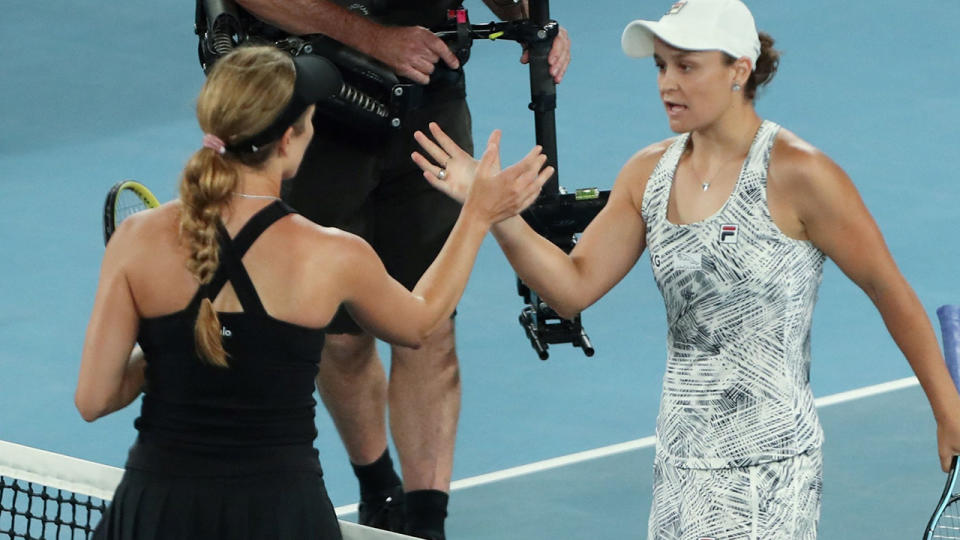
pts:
[948, 526]
[128, 203]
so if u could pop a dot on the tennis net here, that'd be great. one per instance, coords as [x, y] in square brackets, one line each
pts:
[49, 496]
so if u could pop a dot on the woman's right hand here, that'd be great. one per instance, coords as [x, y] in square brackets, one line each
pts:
[499, 194]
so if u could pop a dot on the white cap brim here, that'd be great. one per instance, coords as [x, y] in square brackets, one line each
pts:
[639, 36]
[637, 39]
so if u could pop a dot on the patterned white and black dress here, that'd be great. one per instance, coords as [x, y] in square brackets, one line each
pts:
[738, 438]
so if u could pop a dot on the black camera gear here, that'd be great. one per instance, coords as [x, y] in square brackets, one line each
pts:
[219, 28]
[372, 95]
[371, 98]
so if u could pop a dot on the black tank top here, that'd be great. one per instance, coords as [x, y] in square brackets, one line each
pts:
[259, 411]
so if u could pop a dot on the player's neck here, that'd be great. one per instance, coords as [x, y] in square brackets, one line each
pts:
[259, 184]
[732, 134]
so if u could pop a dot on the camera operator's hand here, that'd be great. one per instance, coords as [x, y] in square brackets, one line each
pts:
[411, 51]
[559, 57]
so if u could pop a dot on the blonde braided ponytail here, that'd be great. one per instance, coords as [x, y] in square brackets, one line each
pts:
[245, 91]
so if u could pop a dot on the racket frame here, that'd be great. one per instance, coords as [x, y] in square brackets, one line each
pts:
[109, 206]
[945, 499]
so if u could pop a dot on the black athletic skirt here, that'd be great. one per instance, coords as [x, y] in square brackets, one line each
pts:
[178, 503]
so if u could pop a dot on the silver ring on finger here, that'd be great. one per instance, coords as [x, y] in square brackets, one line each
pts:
[442, 174]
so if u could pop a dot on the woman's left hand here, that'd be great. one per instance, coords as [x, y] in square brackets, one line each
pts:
[452, 169]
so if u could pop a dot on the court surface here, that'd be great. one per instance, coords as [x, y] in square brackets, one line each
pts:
[92, 93]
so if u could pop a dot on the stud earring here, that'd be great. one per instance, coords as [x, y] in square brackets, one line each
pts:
[736, 87]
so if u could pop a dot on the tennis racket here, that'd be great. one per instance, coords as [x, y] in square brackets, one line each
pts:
[945, 521]
[124, 199]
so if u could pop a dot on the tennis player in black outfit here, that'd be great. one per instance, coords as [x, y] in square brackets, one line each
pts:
[228, 292]
[364, 183]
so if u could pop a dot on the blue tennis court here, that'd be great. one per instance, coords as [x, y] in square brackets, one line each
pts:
[92, 93]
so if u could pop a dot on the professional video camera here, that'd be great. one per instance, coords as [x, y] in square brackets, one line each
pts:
[372, 95]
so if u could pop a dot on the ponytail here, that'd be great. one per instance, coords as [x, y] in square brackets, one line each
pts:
[766, 68]
[244, 92]
[207, 185]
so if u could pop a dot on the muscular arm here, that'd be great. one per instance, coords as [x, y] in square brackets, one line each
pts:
[410, 51]
[315, 17]
[835, 219]
[607, 250]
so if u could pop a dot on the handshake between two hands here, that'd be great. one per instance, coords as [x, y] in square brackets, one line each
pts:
[481, 184]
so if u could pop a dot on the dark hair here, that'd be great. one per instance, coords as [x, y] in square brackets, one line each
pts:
[766, 68]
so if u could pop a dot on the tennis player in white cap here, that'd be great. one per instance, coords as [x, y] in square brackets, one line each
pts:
[738, 216]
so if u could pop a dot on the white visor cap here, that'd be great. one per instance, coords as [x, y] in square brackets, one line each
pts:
[698, 25]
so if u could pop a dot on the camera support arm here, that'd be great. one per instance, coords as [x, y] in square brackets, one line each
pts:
[557, 215]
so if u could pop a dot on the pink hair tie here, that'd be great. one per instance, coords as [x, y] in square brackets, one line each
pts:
[214, 143]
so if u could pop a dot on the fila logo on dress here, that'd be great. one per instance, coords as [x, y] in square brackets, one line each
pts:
[729, 232]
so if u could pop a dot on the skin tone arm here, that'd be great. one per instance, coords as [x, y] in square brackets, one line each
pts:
[834, 218]
[410, 51]
[105, 387]
[607, 250]
[387, 310]
[112, 372]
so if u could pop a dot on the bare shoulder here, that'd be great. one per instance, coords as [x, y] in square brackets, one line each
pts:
[148, 229]
[307, 241]
[153, 219]
[642, 163]
[798, 166]
[633, 176]
[807, 187]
